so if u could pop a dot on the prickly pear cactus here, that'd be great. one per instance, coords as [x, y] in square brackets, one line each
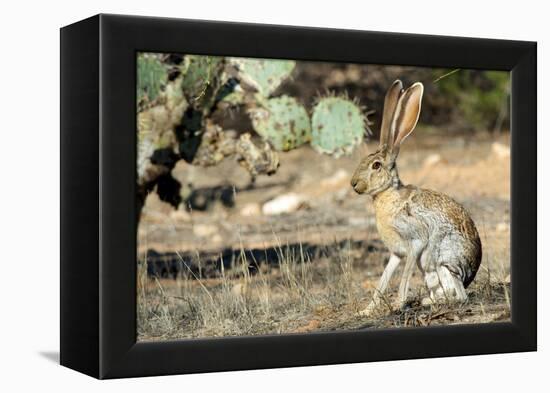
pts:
[264, 75]
[337, 126]
[152, 76]
[201, 79]
[180, 99]
[282, 121]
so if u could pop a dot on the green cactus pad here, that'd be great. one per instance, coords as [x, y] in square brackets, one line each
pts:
[201, 77]
[337, 126]
[282, 121]
[263, 74]
[152, 76]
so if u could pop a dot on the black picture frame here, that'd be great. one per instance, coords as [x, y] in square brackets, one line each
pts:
[98, 194]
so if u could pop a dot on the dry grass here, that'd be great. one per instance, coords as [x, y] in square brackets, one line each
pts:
[300, 293]
[281, 298]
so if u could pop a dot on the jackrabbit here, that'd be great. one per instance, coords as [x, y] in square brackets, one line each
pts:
[426, 228]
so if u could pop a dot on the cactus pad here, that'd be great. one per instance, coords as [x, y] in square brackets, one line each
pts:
[282, 121]
[263, 74]
[337, 126]
[201, 77]
[152, 76]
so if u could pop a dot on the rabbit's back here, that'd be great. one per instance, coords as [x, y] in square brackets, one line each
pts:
[443, 209]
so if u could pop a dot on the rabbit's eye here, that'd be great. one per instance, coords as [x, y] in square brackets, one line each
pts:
[376, 165]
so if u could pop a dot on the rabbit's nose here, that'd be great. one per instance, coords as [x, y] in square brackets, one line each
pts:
[354, 182]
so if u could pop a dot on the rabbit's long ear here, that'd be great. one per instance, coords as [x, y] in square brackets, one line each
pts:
[406, 115]
[390, 104]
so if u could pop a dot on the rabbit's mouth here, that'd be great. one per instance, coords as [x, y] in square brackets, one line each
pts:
[359, 186]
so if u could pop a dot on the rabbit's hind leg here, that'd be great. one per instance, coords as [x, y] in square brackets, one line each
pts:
[444, 287]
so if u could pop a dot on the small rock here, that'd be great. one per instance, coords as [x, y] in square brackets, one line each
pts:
[286, 203]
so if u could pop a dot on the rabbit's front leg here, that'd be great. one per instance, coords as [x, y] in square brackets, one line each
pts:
[382, 285]
[410, 262]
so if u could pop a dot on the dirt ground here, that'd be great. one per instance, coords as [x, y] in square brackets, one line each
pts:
[299, 252]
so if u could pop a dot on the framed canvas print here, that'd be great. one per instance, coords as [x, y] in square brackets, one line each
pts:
[297, 196]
